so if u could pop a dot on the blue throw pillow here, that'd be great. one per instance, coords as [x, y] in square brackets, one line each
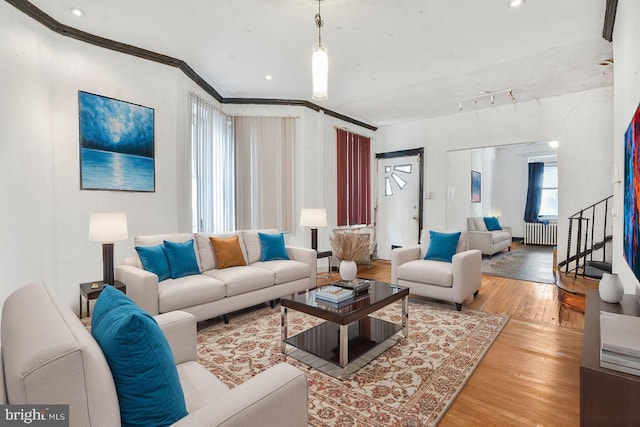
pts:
[442, 246]
[273, 247]
[154, 259]
[492, 223]
[182, 259]
[141, 362]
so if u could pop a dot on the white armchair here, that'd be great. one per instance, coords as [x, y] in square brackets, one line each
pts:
[454, 281]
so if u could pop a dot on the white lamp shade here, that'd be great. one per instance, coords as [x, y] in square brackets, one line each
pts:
[313, 217]
[320, 71]
[108, 227]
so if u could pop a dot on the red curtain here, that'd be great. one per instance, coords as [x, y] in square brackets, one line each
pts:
[354, 178]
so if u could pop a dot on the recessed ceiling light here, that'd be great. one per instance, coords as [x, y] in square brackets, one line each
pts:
[516, 3]
[77, 12]
[268, 77]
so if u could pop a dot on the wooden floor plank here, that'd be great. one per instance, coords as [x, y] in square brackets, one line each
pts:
[530, 376]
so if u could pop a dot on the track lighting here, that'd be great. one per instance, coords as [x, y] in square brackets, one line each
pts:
[485, 97]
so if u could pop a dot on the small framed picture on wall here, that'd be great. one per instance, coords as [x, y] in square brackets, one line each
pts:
[476, 186]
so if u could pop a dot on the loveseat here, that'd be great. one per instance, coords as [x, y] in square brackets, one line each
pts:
[451, 281]
[50, 358]
[488, 241]
[218, 291]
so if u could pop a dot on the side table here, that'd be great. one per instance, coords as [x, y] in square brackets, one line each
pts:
[325, 254]
[90, 292]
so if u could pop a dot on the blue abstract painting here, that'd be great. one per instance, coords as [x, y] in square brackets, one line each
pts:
[116, 144]
[631, 213]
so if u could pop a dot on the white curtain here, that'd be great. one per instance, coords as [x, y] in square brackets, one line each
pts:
[212, 168]
[264, 172]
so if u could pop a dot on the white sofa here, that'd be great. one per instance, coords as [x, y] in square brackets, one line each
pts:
[454, 281]
[217, 292]
[50, 358]
[487, 242]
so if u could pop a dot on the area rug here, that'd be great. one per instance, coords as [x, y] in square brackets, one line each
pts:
[532, 263]
[410, 384]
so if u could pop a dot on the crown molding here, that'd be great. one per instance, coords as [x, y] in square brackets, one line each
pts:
[37, 14]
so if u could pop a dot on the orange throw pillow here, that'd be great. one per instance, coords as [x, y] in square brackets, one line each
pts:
[227, 251]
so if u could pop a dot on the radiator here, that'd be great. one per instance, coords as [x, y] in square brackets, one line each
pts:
[536, 233]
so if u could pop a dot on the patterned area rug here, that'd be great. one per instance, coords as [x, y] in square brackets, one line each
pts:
[411, 384]
[532, 263]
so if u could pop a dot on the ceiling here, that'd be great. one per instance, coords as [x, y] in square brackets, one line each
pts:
[390, 61]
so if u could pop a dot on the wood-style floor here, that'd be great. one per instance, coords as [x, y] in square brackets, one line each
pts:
[530, 375]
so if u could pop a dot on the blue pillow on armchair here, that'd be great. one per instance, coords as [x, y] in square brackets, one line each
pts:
[143, 367]
[442, 246]
[492, 223]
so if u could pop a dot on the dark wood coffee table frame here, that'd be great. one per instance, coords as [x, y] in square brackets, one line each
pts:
[349, 332]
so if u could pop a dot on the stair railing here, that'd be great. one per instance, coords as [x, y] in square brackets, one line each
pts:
[588, 234]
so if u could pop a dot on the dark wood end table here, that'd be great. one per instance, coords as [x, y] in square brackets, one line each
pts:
[91, 290]
[325, 254]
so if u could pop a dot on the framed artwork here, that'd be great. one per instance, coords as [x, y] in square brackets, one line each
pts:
[116, 144]
[476, 185]
[631, 214]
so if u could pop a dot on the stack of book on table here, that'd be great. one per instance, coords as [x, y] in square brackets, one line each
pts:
[333, 293]
[620, 342]
[358, 286]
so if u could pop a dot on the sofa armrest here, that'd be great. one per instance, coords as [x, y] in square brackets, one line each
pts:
[507, 228]
[481, 240]
[467, 273]
[400, 256]
[142, 287]
[179, 327]
[276, 397]
[308, 256]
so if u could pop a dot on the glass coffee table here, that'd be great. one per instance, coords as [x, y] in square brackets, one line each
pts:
[348, 333]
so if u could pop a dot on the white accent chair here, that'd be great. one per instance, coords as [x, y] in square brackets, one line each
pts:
[487, 242]
[454, 281]
[49, 357]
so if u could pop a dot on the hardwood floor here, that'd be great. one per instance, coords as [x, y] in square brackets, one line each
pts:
[530, 376]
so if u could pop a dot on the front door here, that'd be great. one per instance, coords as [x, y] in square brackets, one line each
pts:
[399, 197]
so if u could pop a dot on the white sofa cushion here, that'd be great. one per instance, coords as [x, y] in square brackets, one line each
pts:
[285, 270]
[499, 236]
[253, 245]
[425, 271]
[240, 280]
[176, 294]
[479, 223]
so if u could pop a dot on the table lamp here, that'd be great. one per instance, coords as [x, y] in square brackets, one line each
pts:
[313, 218]
[108, 228]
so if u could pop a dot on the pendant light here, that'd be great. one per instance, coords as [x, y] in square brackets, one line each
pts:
[320, 63]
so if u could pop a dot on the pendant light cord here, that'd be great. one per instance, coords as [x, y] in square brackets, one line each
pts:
[319, 23]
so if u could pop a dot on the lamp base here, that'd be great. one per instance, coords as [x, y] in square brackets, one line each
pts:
[314, 239]
[107, 263]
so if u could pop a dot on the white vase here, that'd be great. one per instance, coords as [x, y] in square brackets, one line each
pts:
[348, 270]
[610, 288]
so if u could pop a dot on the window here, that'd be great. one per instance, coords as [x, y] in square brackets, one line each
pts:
[354, 178]
[549, 204]
[212, 168]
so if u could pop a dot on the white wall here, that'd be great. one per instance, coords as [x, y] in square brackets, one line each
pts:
[582, 122]
[626, 37]
[45, 215]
